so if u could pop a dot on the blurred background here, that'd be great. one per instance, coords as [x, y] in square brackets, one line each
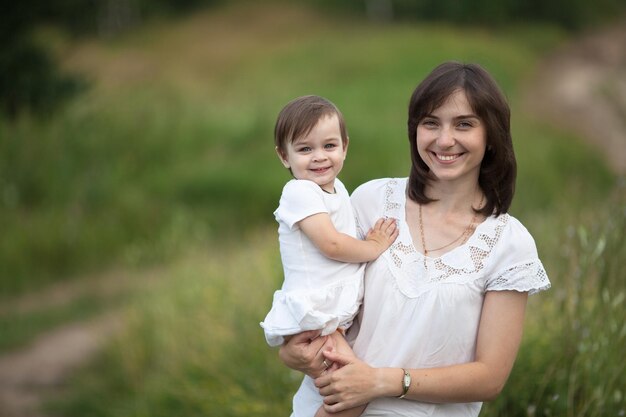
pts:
[138, 249]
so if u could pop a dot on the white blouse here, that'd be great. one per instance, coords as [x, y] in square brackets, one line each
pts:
[423, 312]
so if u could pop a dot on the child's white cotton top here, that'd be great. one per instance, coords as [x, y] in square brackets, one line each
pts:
[318, 293]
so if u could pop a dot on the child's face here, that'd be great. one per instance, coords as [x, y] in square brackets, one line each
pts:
[318, 156]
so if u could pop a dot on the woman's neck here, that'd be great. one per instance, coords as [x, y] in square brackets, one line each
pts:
[453, 198]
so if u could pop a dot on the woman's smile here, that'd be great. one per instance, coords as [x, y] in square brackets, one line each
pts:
[452, 140]
[447, 158]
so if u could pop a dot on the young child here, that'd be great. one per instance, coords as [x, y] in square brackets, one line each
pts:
[322, 259]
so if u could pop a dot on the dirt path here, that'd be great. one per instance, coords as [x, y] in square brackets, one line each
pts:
[39, 370]
[582, 86]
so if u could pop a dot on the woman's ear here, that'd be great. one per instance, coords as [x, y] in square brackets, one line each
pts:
[282, 157]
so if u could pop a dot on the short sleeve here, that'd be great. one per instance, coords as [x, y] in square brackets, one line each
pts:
[299, 200]
[518, 265]
[528, 277]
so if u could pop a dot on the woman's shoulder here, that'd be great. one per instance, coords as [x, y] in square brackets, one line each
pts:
[513, 241]
[517, 234]
[377, 187]
[514, 261]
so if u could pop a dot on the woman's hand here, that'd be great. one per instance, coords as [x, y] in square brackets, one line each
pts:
[303, 352]
[353, 384]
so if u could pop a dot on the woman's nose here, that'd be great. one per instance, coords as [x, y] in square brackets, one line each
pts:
[446, 137]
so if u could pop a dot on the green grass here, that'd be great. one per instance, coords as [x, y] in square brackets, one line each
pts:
[169, 161]
[570, 360]
[187, 350]
[174, 141]
[194, 347]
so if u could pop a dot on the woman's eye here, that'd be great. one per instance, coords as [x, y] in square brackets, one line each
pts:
[465, 125]
[429, 123]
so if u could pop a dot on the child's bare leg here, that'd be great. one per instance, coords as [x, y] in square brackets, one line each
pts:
[351, 412]
[340, 345]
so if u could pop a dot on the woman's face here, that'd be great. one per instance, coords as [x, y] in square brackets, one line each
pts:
[452, 140]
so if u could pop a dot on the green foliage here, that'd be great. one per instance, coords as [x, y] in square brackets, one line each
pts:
[570, 361]
[142, 166]
[194, 347]
[146, 166]
[31, 81]
[569, 14]
[139, 171]
[187, 349]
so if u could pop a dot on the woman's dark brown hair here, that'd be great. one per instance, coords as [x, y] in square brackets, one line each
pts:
[498, 168]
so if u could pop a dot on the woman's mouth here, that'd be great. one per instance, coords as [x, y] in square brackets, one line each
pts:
[447, 158]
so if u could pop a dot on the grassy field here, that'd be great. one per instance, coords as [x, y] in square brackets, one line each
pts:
[168, 163]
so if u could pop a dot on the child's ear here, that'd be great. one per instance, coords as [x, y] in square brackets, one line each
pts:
[282, 157]
[345, 147]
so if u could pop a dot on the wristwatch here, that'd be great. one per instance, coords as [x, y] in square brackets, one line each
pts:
[406, 382]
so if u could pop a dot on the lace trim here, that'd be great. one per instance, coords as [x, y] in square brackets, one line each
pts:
[530, 276]
[470, 256]
[415, 273]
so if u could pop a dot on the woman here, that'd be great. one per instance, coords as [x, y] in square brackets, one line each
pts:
[443, 309]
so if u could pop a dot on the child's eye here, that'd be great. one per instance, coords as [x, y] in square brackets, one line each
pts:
[330, 146]
[304, 149]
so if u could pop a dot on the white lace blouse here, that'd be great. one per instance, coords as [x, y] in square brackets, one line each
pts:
[422, 312]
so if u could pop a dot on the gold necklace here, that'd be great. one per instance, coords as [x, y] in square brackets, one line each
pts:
[465, 235]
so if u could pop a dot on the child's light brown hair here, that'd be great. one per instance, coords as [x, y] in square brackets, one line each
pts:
[301, 115]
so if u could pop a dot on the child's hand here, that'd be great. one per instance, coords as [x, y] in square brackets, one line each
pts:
[384, 233]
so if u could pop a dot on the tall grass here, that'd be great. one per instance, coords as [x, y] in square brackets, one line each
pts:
[570, 362]
[194, 346]
[169, 160]
[173, 143]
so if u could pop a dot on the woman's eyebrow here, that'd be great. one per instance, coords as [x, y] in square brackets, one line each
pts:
[467, 116]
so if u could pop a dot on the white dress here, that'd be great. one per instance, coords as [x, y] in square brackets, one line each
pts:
[317, 292]
[422, 312]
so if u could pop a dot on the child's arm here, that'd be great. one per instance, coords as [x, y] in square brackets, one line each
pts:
[341, 247]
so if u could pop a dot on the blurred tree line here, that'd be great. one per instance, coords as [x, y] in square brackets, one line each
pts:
[568, 14]
[30, 79]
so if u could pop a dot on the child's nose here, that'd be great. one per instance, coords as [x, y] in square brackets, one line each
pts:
[319, 155]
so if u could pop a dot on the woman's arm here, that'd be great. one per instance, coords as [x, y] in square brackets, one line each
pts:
[498, 340]
[341, 247]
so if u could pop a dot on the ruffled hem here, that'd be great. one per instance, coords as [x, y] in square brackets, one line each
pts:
[323, 309]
